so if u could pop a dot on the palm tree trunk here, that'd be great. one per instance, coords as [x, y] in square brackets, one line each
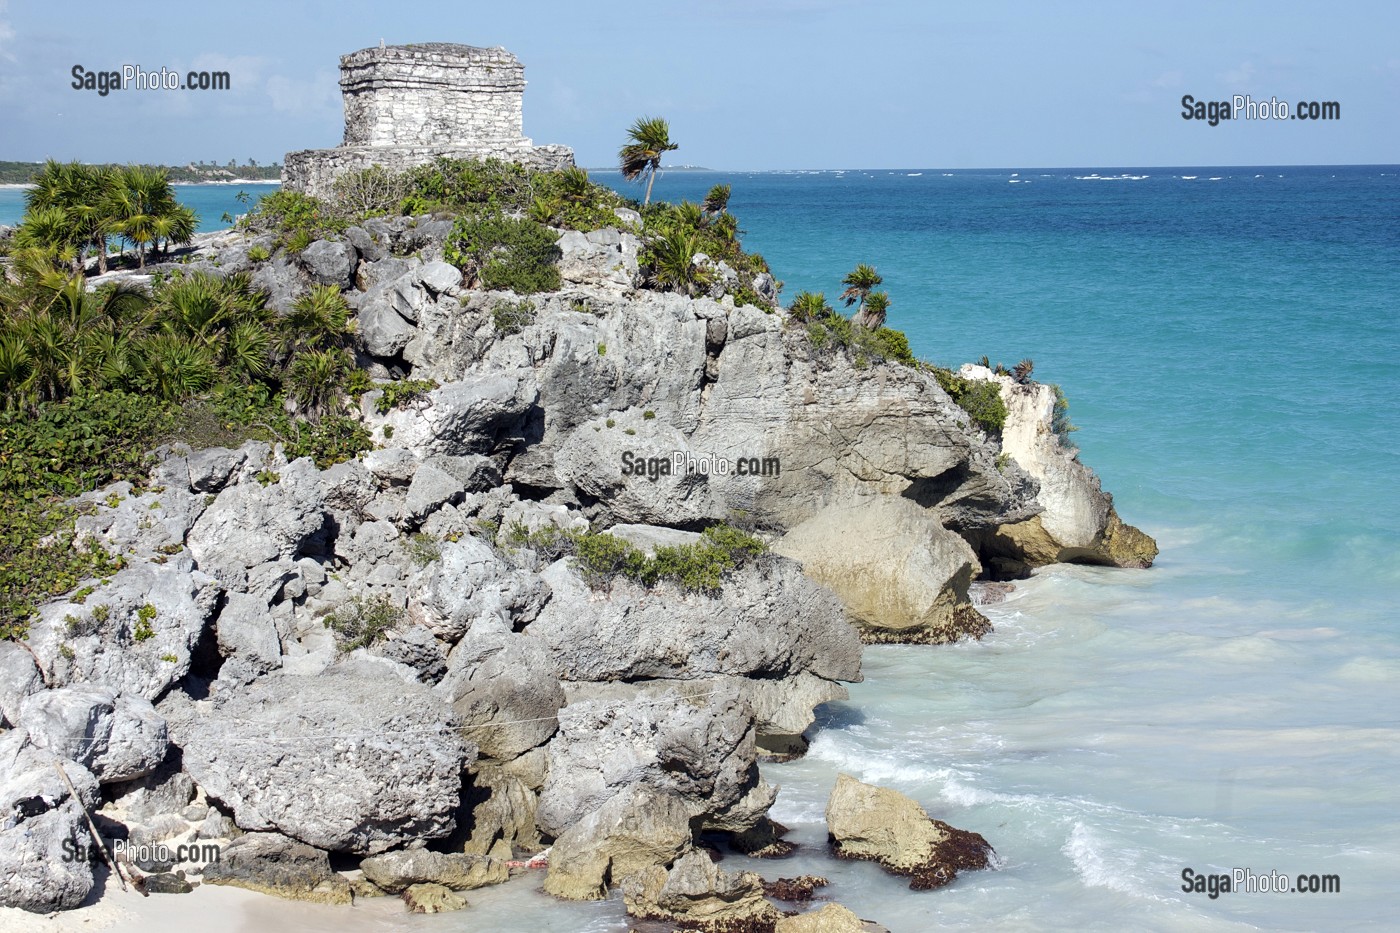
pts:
[651, 177]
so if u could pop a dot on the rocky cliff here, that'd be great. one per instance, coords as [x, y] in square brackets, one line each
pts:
[403, 650]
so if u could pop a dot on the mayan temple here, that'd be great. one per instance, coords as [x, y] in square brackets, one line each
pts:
[406, 105]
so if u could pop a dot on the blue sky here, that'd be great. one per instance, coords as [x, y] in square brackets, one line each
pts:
[746, 84]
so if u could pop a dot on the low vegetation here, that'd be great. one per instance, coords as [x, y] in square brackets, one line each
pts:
[362, 621]
[602, 558]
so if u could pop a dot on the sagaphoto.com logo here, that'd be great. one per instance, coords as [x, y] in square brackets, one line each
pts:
[134, 77]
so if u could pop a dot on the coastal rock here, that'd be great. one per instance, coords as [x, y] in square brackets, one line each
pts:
[382, 330]
[251, 524]
[900, 573]
[117, 738]
[769, 621]
[503, 806]
[832, 918]
[470, 587]
[246, 631]
[167, 789]
[637, 828]
[886, 827]
[502, 687]
[428, 898]
[471, 416]
[1077, 522]
[270, 863]
[136, 633]
[282, 280]
[700, 895]
[329, 262]
[396, 871]
[38, 819]
[700, 751]
[352, 760]
[19, 677]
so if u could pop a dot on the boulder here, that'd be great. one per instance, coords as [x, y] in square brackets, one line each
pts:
[42, 828]
[832, 918]
[470, 587]
[246, 631]
[900, 573]
[352, 760]
[270, 863]
[166, 790]
[637, 828]
[396, 871]
[503, 804]
[886, 827]
[701, 751]
[329, 262]
[470, 416]
[700, 895]
[503, 689]
[135, 634]
[383, 331]
[117, 738]
[431, 898]
[769, 621]
[440, 278]
[430, 489]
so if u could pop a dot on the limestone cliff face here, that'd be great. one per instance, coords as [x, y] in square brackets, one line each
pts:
[1077, 522]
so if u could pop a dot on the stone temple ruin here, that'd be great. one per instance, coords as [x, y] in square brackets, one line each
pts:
[406, 105]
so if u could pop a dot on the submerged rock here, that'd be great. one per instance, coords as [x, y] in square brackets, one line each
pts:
[886, 827]
[832, 918]
[429, 898]
[395, 872]
[636, 829]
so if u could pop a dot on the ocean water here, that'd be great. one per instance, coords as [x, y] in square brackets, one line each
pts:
[1226, 339]
[210, 202]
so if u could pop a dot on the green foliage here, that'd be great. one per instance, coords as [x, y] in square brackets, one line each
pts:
[1059, 419]
[423, 549]
[647, 141]
[511, 317]
[830, 332]
[602, 349]
[143, 630]
[258, 253]
[362, 621]
[331, 440]
[979, 398]
[859, 282]
[1021, 372]
[499, 252]
[18, 173]
[296, 219]
[80, 596]
[400, 393]
[648, 415]
[368, 192]
[693, 568]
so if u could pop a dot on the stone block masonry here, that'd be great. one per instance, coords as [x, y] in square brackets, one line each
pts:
[406, 105]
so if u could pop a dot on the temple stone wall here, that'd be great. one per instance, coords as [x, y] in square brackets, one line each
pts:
[406, 105]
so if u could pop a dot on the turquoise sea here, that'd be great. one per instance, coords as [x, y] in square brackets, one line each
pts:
[1226, 337]
[210, 202]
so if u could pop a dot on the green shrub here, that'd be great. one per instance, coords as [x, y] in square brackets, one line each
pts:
[697, 568]
[511, 317]
[400, 393]
[979, 398]
[258, 253]
[143, 630]
[362, 621]
[499, 252]
[296, 219]
[423, 549]
[329, 441]
[1059, 419]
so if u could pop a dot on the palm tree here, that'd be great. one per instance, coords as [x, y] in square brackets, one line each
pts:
[717, 201]
[872, 313]
[648, 139]
[141, 196]
[810, 306]
[859, 283]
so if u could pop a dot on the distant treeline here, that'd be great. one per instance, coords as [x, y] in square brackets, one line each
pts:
[18, 173]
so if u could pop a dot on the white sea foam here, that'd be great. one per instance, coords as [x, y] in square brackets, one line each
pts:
[1093, 861]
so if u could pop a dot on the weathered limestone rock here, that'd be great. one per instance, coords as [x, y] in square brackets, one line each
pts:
[1078, 523]
[165, 790]
[503, 809]
[504, 692]
[117, 738]
[246, 631]
[135, 634]
[429, 898]
[702, 752]
[471, 416]
[699, 894]
[34, 873]
[471, 588]
[884, 826]
[832, 918]
[19, 677]
[396, 871]
[900, 573]
[352, 760]
[769, 621]
[329, 262]
[270, 863]
[636, 829]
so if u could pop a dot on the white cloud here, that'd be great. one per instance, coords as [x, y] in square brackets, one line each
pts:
[1238, 77]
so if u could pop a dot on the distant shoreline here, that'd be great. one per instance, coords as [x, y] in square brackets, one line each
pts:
[176, 184]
